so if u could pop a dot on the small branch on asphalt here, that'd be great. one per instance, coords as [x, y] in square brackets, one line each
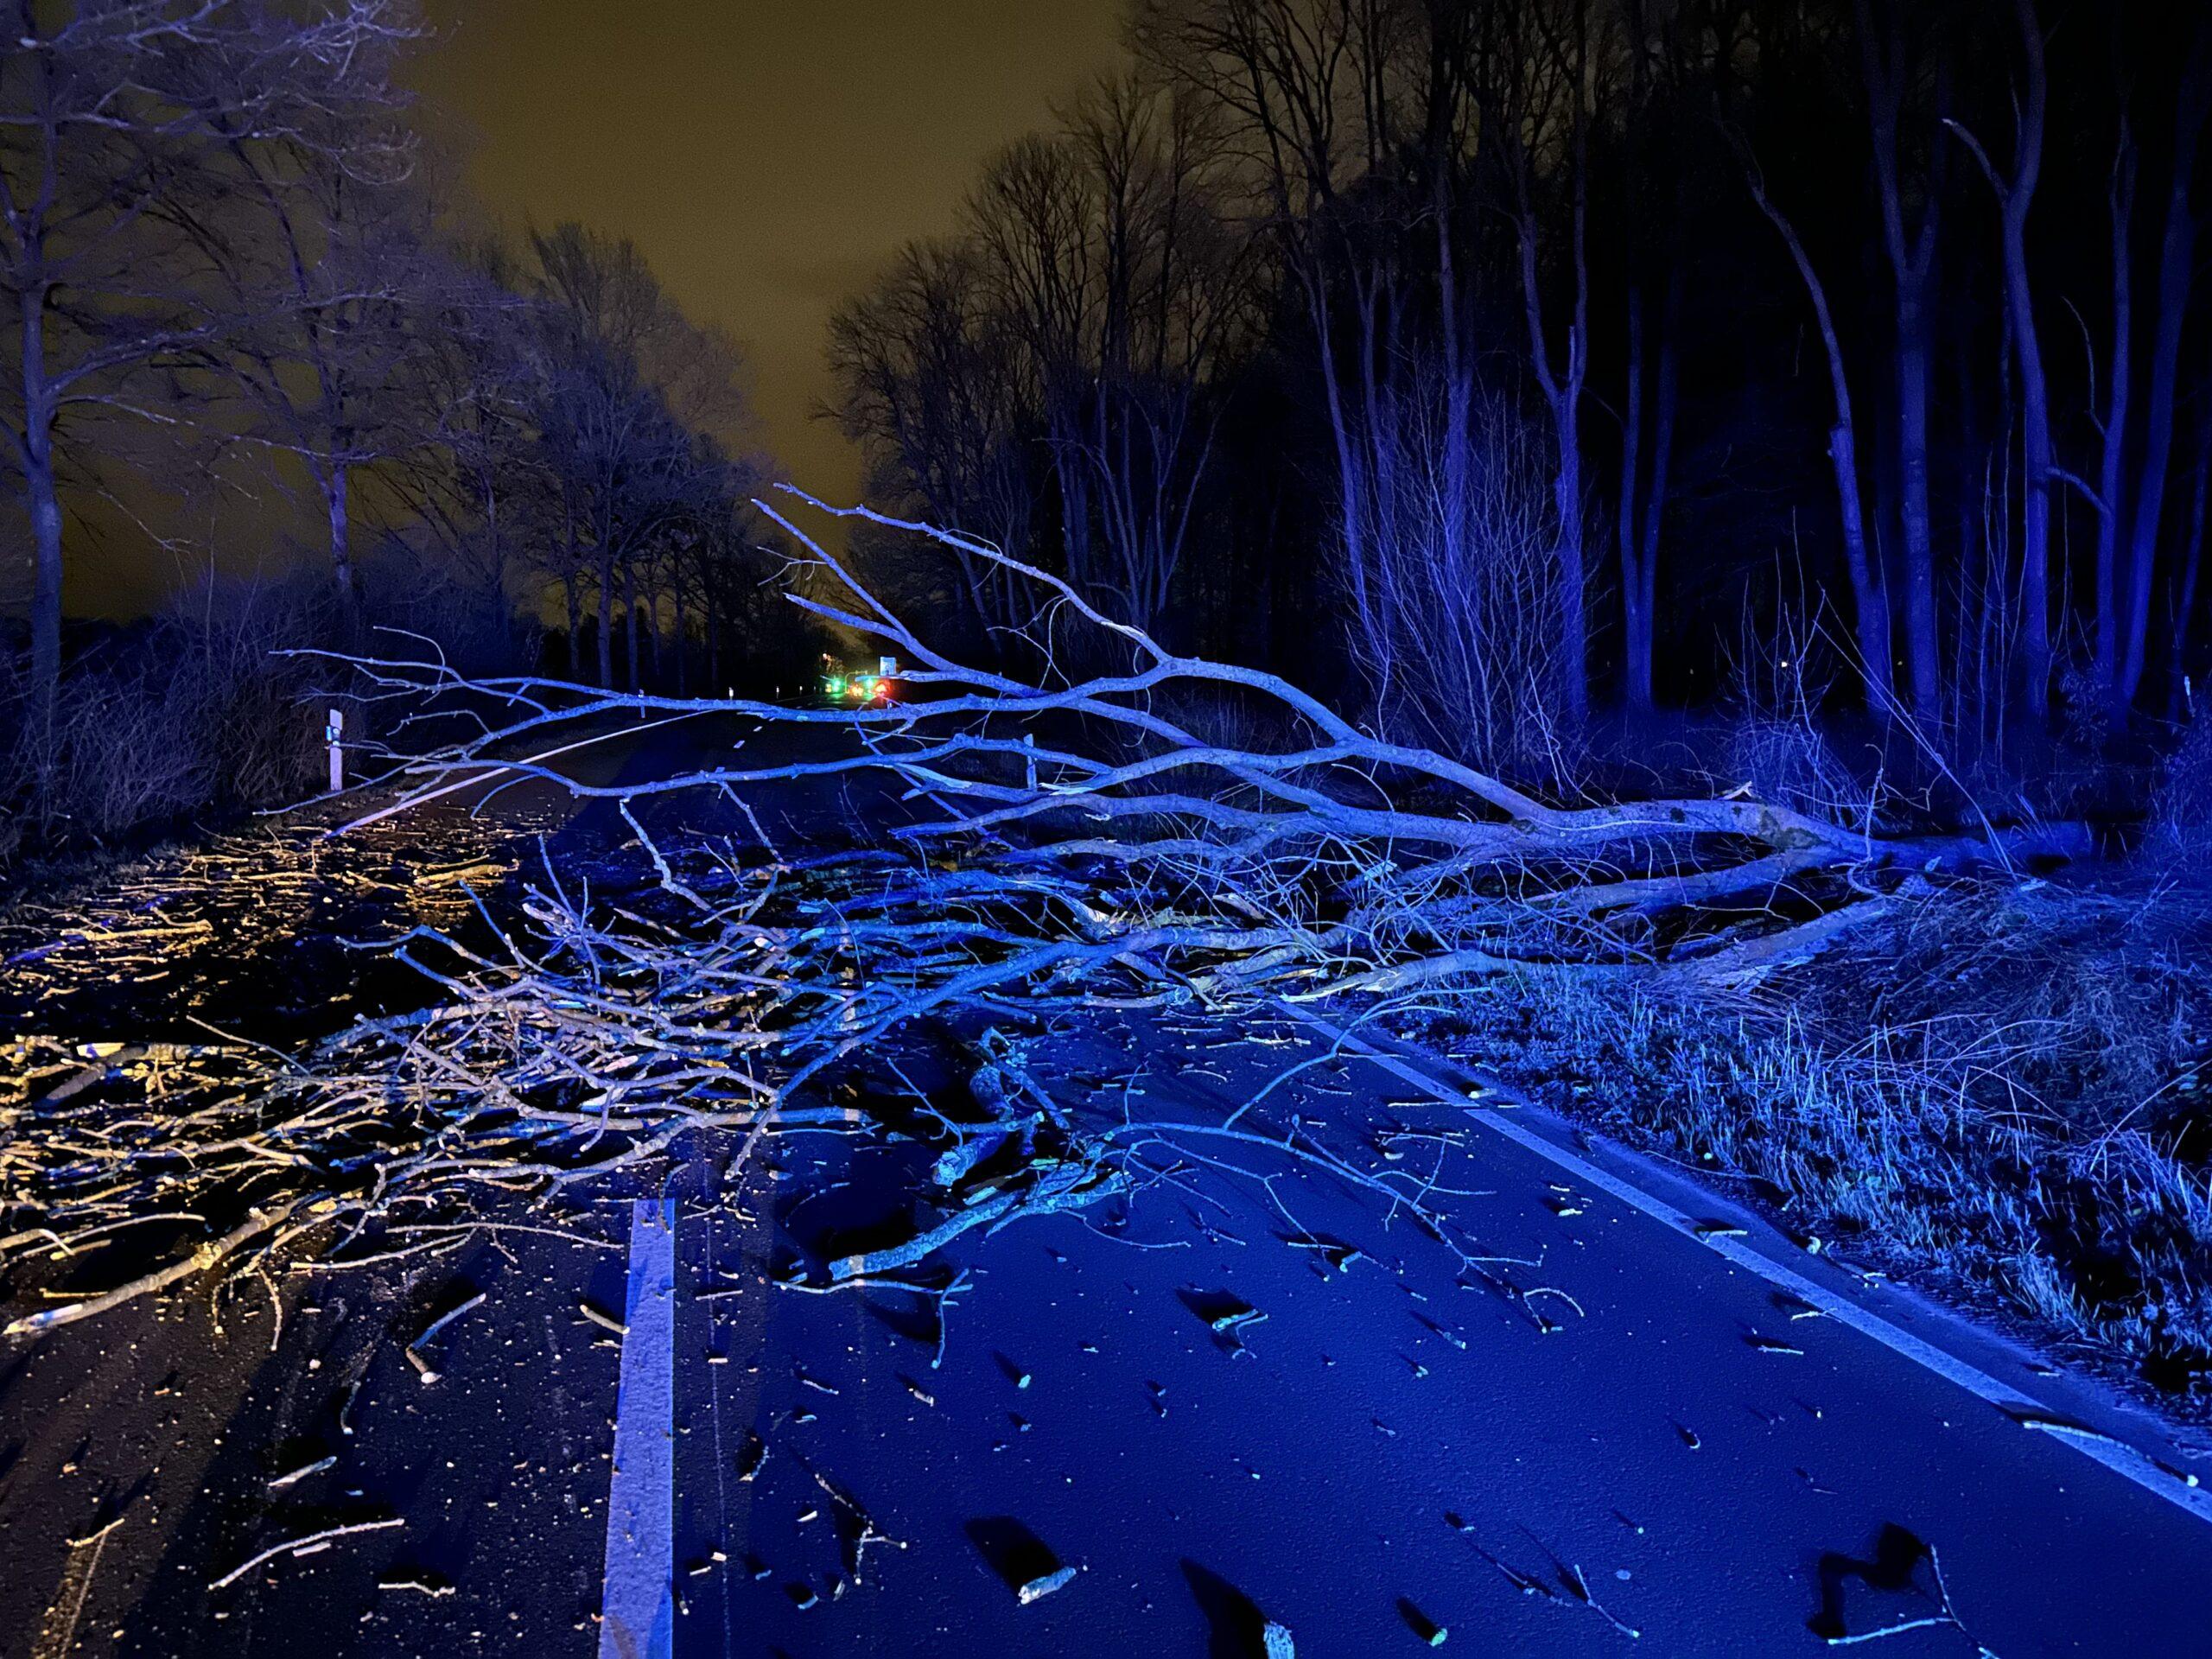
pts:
[314, 1544]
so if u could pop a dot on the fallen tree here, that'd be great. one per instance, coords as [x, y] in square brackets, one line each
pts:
[1122, 828]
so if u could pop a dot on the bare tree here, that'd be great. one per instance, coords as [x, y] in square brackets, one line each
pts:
[932, 381]
[1910, 218]
[1173, 297]
[1870, 604]
[326, 264]
[2114, 421]
[104, 106]
[627, 392]
[2016, 191]
[1318, 113]
[1539, 105]
[470, 475]
[1653, 390]
[2176, 282]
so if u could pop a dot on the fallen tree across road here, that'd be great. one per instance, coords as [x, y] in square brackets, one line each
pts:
[1154, 831]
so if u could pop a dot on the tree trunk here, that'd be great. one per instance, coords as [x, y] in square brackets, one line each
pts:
[1350, 500]
[683, 641]
[43, 499]
[573, 591]
[1886, 64]
[45, 504]
[1563, 395]
[337, 494]
[2177, 260]
[1666, 398]
[2191, 569]
[1920, 611]
[1636, 620]
[630, 618]
[2035, 526]
[2035, 392]
[1566, 496]
[606, 619]
[2109, 596]
[2015, 197]
[1870, 604]
[713, 630]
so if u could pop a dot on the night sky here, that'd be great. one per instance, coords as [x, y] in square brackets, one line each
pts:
[766, 156]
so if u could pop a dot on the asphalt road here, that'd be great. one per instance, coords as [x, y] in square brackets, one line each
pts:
[1580, 1399]
[1604, 1426]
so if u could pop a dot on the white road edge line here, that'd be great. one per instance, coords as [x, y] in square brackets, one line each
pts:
[636, 1607]
[2128, 1461]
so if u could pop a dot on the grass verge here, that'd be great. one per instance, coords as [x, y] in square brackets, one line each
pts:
[2002, 1098]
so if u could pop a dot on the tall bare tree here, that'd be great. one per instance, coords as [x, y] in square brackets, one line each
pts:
[329, 273]
[104, 106]
[2176, 281]
[2015, 188]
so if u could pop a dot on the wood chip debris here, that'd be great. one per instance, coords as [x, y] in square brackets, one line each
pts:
[421, 1584]
[1044, 1583]
[279, 1482]
[424, 1368]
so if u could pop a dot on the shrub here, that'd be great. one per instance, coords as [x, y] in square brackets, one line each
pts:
[2181, 806]
[1788, 763]
[191, 711]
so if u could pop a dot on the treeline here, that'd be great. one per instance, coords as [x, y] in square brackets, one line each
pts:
[230, 294]
[1512, 363]
[242, 317]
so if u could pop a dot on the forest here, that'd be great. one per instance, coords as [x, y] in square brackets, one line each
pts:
[1574, 367]
[1534, 376]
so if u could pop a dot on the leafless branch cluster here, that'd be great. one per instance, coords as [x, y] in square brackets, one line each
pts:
[1062, 845]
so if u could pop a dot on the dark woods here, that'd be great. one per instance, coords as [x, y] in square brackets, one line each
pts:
[235, 307]
[1521, 368]
[1537, 378]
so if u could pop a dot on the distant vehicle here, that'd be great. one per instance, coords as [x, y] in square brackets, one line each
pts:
[858, 686]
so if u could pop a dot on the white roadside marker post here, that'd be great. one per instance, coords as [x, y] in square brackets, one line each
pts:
[334, 733]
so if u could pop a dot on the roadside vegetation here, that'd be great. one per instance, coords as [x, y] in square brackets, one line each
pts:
[2005, 1096]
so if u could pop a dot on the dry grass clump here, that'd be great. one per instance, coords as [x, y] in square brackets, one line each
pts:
[2181, 805]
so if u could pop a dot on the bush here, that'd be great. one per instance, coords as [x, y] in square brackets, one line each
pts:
[2181, 806]
[1454, 608]
[1788, 763]
[190, 712]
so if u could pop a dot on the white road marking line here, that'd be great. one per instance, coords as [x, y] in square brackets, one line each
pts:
[58, 1630]
[2128, 1461]
[638, 1608]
